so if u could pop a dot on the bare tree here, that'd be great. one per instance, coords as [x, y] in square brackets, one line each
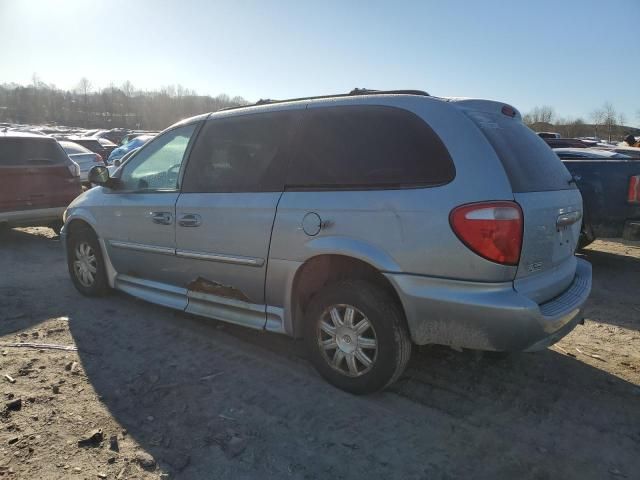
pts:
[610, 118]
[544, 114]
[127, 89]
[597, 117]
[622, 119]
[84, 86]
[36, 81]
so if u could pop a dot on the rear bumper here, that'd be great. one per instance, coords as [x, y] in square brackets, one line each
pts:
[488, 316]
[33, 217]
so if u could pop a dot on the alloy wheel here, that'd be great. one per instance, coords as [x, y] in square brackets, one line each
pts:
[85, 264]
[347, 340]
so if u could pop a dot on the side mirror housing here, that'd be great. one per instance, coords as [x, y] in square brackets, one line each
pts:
[99, 175]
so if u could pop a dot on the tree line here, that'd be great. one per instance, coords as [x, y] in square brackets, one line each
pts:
[125, 106]
[115, 106]
[604, 122]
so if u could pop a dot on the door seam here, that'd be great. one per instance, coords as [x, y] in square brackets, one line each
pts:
[266, 268]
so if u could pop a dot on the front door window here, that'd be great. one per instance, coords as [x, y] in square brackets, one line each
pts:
[157, 165]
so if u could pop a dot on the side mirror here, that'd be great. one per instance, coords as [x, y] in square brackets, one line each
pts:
[99, 175]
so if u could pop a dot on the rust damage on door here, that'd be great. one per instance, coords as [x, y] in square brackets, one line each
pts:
[214, 288]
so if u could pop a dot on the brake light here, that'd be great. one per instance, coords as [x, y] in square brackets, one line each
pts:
[509, 111]
[493, 230]
[98, 158]
[634, 189]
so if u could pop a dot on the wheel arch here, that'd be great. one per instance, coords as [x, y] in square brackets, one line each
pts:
[324, 269]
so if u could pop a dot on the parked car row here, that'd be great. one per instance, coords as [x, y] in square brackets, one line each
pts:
[100, 146]
[28, 155]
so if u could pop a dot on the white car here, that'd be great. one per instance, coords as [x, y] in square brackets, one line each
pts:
[85, 158]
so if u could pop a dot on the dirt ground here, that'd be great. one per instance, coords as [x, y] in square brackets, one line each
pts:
[181, 397]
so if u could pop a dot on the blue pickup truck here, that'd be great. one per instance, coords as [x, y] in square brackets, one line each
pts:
[610, 187]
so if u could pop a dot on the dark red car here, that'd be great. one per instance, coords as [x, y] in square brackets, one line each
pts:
[37, 180]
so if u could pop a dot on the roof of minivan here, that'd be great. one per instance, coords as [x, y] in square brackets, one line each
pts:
[481, 105]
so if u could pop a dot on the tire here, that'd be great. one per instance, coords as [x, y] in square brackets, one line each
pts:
[586, 237]
[343, 362]
[584, 241]
[83, 247]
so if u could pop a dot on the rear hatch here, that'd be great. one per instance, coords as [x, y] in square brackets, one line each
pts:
[35, 173]
[544, 188]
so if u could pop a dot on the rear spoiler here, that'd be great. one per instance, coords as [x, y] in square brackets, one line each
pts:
[485, 106]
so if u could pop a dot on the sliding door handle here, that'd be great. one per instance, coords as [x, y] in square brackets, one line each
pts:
[162, 218]
[190, 220]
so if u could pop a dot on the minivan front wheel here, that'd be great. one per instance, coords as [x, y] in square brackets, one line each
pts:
[356, 336]
[85, 263]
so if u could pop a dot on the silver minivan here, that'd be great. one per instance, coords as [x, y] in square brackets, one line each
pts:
[364, 223]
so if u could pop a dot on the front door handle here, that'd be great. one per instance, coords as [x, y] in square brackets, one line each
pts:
[190, 220]
[162, 218]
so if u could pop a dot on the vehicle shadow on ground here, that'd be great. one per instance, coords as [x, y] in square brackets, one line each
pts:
[25, 260]
[211, 400]
[614, 295]
[206, 398]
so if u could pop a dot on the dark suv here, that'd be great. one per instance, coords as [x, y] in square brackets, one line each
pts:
[37, 180]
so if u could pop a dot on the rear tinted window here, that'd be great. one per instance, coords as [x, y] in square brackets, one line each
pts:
[30, 151]
[529, 162]
[89, 143]
[367, 146]
[72, 148]
[241, 154]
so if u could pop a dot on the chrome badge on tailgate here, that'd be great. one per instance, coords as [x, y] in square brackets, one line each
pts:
[534, 267]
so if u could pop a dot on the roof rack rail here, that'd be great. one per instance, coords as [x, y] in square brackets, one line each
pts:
[366, 91]
[354, 92]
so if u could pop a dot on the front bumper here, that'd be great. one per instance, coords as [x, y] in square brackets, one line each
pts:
[488, 316]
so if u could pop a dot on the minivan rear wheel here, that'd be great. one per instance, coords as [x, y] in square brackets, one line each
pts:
[356, 336]
[85, 263]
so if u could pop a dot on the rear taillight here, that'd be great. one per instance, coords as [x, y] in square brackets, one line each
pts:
[634, 189]
[493, 230]
[74, 168]
[98, 158]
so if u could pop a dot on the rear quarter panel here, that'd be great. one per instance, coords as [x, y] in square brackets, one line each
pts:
[404, 230]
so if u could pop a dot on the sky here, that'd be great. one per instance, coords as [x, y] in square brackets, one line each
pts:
[572, 55]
